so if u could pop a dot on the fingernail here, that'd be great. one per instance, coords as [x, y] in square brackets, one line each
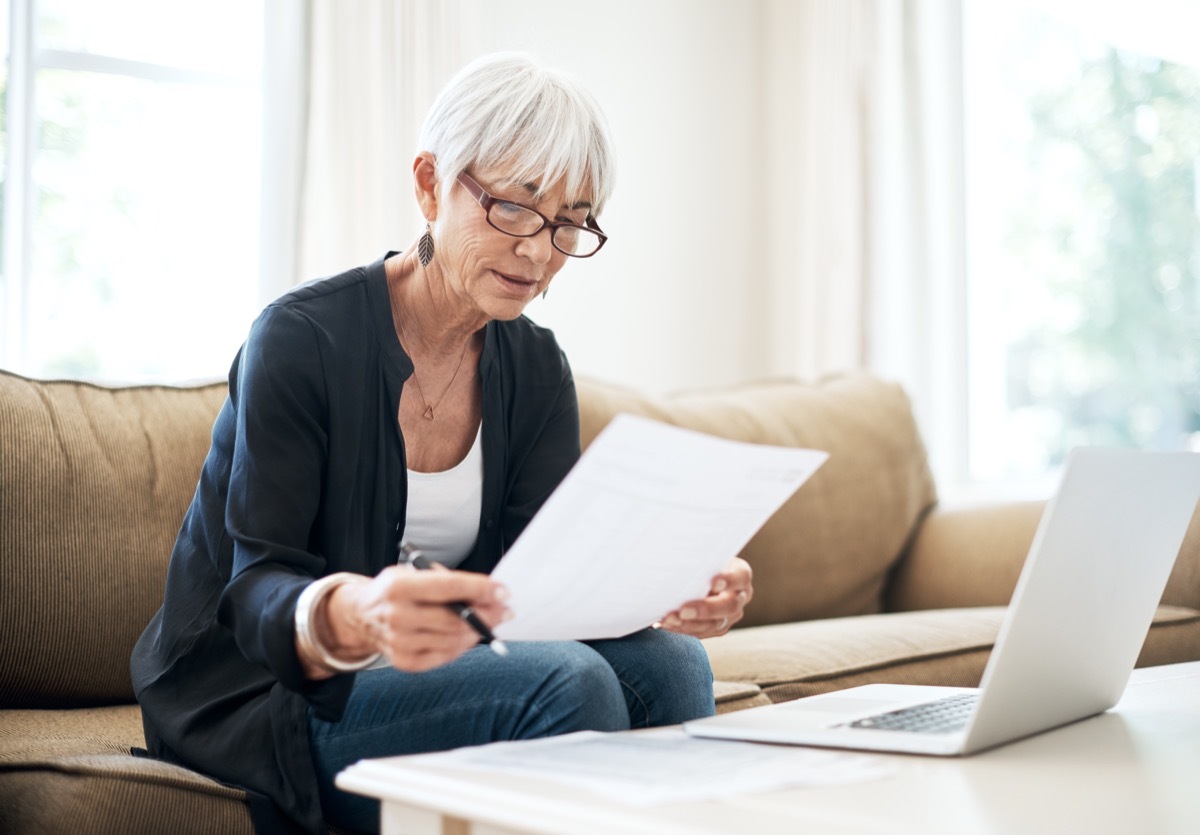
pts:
[688, 613]
[720, 585]
[673, 621]
[741, 596]
[500, 594]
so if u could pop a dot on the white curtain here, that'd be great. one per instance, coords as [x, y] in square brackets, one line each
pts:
[864, 186]
[285, 103]
[353, 80]
[916, 259]
[816, 145]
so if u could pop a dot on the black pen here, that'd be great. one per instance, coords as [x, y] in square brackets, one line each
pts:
[414, 557]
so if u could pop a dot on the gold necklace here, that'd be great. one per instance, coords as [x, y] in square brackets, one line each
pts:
[428, 413]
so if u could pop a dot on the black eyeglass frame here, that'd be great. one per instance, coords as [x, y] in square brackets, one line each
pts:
[486, 200]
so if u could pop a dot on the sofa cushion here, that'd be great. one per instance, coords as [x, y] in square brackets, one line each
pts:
[827, 552]
[61, 767]
[94, 483]
[112, 793]
[72, 771]
[737, 695]
[947, 647]
[35, 736]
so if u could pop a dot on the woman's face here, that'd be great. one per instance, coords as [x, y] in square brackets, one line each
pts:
[499, 272]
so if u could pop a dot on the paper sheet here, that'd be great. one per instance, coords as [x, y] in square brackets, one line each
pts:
[664, 765]
[640, 525]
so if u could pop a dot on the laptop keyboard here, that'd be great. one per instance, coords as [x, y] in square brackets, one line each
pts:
[941, 716]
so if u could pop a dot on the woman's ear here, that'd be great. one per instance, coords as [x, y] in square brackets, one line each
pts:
[425, 182]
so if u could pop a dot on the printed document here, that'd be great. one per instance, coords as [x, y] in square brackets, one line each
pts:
[642, 523]
[664, 765]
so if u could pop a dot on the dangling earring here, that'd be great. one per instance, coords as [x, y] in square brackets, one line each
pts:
[425, 247]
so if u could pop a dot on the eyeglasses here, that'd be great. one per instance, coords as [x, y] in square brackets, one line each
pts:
[524, 222]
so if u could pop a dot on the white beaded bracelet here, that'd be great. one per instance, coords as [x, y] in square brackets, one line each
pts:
[306, 624]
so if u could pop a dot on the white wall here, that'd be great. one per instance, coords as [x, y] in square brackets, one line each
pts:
[735, 230]
[678, 297]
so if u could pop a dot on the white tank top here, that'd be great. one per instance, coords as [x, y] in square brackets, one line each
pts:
[444, 508]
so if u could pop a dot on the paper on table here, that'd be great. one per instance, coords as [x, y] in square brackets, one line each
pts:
[641, 524]
[664, 765]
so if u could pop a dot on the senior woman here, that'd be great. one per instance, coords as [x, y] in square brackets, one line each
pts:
[409, 398]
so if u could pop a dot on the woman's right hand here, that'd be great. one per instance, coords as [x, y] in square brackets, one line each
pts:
[402, 613]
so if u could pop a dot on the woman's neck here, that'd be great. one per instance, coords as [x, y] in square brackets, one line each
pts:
[430, 319]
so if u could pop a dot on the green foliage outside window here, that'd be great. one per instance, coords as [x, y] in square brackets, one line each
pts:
[1116, 358]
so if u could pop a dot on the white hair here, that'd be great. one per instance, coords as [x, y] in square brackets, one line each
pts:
[539, 125]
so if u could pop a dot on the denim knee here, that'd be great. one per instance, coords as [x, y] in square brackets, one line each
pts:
[691, 689]
[666, 676]
[579, 692]
[692, 662]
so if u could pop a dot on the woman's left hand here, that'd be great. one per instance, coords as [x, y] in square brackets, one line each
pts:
[731, 590]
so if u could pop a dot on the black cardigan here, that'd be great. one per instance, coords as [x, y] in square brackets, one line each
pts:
[306, 476]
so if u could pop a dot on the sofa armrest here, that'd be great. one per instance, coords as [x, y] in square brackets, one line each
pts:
[964, 556]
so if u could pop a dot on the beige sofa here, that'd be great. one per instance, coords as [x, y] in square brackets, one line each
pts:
[860, 577]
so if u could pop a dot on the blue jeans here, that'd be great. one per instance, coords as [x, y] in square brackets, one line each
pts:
[649, 678]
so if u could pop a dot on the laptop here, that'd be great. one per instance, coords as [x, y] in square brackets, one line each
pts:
[1082, 607]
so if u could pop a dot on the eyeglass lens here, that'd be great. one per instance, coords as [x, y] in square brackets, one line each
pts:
[523, 222]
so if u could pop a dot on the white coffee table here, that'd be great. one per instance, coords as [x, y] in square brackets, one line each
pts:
[1135, 769]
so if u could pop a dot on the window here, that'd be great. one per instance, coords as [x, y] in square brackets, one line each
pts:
[1083, 159]
[131, 186]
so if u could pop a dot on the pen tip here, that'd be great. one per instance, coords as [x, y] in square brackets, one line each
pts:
[498, 647]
